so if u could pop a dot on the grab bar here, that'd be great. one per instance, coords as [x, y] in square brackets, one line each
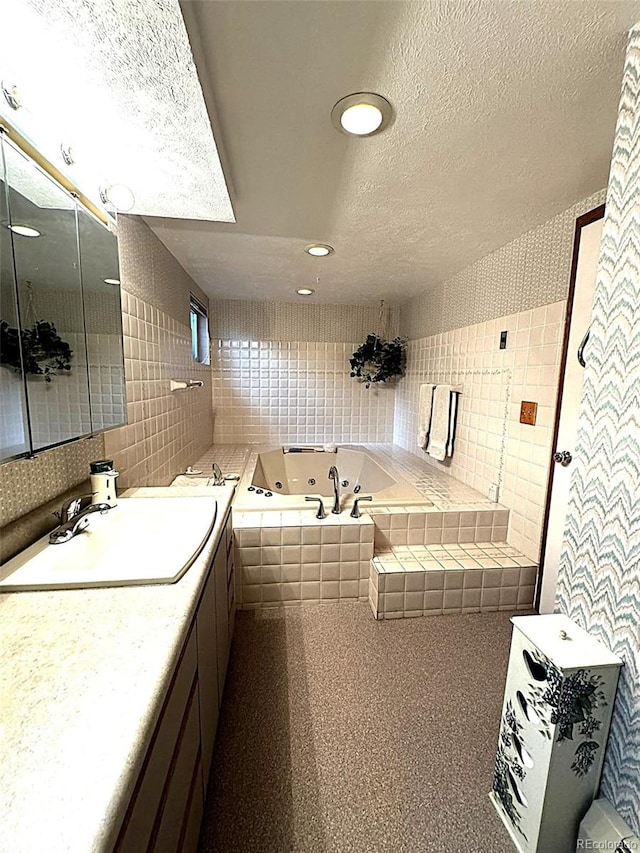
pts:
[583, 344]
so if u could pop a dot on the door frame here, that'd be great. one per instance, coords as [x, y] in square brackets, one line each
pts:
[582, 221]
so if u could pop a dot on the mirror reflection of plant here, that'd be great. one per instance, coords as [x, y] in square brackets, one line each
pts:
[44, 352]
[377, 360]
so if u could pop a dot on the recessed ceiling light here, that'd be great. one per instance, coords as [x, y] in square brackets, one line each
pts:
[118, 195]
[319, 250]
[112, 281]
[305, 291]
[24, 230]
[362, 114]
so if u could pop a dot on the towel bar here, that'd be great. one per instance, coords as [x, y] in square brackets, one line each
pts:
[176, 385]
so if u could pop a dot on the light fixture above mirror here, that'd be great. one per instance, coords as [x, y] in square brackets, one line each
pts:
[118, 196]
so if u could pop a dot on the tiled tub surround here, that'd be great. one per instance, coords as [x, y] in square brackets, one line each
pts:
[293, 557]
[491, 445]
[412, 525]
[426, 485]
[467, 577]
[287, 556]
[288, 392]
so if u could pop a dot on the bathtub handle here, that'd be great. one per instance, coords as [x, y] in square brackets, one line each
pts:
[321, 513]
[355, 512]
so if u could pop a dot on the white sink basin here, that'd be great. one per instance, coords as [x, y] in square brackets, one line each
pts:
[139, 541]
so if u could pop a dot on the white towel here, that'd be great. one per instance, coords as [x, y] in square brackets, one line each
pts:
[440, 415]
[453, 413]
[424, 414]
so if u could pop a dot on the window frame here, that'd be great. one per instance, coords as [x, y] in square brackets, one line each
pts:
[199, 326]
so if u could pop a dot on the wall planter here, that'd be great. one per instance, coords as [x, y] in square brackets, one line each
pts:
[378, 360]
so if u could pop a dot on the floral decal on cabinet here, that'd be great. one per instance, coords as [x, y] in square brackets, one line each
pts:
[509, 766]
[572, 700]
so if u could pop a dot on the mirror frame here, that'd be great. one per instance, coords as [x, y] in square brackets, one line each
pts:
[9, 139]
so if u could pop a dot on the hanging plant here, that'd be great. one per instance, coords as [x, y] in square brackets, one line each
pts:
[377, 360]
[44, 353]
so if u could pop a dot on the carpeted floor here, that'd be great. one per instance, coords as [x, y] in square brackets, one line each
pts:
[340, 733]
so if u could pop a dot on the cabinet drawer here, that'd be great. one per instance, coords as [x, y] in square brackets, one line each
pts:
[191, 827]
[207, 672]
[231, 591]
[183, 778]
[230, 565]
[137, 827]
[228, 536]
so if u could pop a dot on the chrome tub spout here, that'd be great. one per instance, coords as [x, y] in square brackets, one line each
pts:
[333, 475]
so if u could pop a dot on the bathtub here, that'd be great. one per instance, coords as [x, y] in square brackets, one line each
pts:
[279, 480]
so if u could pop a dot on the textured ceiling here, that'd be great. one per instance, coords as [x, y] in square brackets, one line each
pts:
[505, 113]
[115, 80]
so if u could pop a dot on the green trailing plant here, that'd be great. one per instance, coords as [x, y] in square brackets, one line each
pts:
[44, 353]
[377, 360]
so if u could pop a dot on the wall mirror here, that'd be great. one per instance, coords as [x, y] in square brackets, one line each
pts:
[61, 360]
[103, 322]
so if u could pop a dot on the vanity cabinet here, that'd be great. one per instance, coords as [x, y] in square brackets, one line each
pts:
[165, 809]
[208, 671]
[156, 809]
[214, 623]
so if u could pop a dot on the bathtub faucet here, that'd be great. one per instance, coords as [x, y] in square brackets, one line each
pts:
[333, 475]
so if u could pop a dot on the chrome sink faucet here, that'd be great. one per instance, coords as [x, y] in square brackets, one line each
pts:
[74, 518]
[218, 476]
[333, 475]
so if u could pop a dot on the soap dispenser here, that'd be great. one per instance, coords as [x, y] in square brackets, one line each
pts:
[103, 482]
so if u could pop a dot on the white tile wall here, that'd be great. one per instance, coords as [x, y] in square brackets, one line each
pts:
[492, 446]
[166, 430]
[294, 391]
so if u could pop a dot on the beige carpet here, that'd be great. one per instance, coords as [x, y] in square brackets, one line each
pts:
[340, 733]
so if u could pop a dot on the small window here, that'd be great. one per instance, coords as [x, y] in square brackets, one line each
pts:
[199, 331]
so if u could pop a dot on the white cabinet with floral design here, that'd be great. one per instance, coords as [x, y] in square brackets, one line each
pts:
[559, 695]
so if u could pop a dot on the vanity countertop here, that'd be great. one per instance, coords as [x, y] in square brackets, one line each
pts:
[83, 676]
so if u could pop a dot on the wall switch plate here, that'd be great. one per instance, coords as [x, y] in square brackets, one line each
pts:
[503, 339]
[493, 492]
[528, 412]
